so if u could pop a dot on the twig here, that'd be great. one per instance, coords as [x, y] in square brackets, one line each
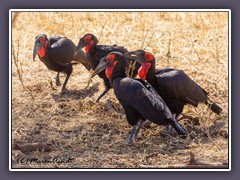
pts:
[144, 40]
[132, 64]
[149, 42]
[28, 147]
[15, 58]
[90, 78]
[153, 41]
[169, 49]
[196, 52]
[102, 30]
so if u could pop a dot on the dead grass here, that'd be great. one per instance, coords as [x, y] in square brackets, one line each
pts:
[73, 125]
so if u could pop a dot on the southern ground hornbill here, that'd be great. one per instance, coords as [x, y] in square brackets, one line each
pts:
[174, 86]
[95, 52]
[138, 98]
[57, 53]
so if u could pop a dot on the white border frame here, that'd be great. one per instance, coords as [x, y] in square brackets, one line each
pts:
[117, 10]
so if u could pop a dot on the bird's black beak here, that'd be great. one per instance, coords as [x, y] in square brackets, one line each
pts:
[103, 64]
[81, 45]
[80, 54]
[37, 47]
[135, 55]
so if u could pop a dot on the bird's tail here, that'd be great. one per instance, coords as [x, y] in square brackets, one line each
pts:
[180, 130]
[213, 106]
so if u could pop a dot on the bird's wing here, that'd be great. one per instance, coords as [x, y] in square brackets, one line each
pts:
[62, 51]
[103, 50]
[177, 84]
[144, 99]
[161, 71]
[54, 39]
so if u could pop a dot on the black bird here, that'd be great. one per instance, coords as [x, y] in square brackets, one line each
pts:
[95, 52]
[57, 53]
[138, 98]
[174, 86]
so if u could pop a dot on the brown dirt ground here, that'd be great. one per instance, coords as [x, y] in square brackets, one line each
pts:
[72, 125]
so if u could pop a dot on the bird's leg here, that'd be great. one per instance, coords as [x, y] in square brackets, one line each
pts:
[68, 71]
[140, 123]
[101, 95]
[133, 131]
[58, 83]
[90, 78]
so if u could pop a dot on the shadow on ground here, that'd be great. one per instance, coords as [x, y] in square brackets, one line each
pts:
[77, 94]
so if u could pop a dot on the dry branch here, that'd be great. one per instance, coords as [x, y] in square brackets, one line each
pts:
[15, 58]
[28, 147]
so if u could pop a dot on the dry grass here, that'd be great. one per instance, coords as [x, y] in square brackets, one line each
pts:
[73, 125]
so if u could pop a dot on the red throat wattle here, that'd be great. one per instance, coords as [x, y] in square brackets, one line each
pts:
[87, 48]
[42, 50]
[142, 72]
[109, 70]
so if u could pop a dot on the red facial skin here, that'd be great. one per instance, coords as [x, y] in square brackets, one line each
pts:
[109, 70]
[142, 72]
[88, 38]
[87, 48]
[42, 50]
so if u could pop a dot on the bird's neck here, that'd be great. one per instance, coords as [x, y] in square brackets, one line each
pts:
[118, 72]
[151, 76]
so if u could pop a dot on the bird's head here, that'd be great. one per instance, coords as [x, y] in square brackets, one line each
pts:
[41, 42]
[145, 58]
[109, 62]
[86, 41]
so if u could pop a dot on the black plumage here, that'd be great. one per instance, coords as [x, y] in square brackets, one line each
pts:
[174, 86]
[57, 53]
[138, 98]
[95, 52]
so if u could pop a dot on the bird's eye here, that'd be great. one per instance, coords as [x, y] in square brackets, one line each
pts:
[148, 56]
[42, 39]
[87, 38]
[111, 58]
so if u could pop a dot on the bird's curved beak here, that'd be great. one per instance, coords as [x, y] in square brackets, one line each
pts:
[135, 55]
[79, 54]
[80, 45]
[103, 64]
[37, 47]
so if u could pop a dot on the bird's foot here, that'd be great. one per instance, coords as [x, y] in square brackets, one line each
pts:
[168, 129]
[58, 83]
[147, 124]
[129, 141]
[97, 100]
[64, 90]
